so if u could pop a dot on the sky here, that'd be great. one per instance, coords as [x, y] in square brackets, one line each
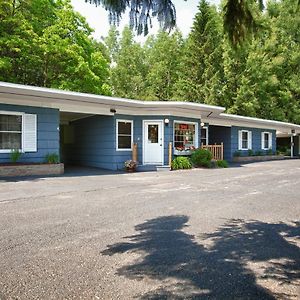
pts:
[97, 17]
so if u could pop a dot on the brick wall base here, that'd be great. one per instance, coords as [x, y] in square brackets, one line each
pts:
[257, 158]
[29, 170]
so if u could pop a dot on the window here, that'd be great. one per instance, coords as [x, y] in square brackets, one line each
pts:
[245, 140]
[10, 132]
[266, 140]
[185, 135]
[204, 136]
[124, 134]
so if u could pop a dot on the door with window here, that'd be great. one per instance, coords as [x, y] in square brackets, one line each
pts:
[153, 143]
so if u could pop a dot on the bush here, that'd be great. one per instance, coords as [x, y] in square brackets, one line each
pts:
[222, 164]
[237, 153]
[250, 152]
[269, 152]
[181, 162]
[15, 155]
[201, 158]
[52, 158]
[258, 153]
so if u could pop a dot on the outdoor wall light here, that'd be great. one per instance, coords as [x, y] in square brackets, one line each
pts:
[167, 121]
[112, 110]
[202, 124]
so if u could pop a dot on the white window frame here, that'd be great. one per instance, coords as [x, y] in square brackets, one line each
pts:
[117, 134]
[240, 139]
[206, 128]
[187, 122]
[13, 113]
[263, 140]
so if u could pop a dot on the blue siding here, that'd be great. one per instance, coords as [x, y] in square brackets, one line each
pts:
[95, 140]
[47, 132]
[94, 143]
[256, 139]
[138, 135]
[221, 134]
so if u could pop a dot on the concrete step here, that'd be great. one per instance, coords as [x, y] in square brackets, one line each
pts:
[162, 168]
[145, 168]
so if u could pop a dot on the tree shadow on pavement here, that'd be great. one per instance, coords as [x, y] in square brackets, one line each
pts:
[216, 268]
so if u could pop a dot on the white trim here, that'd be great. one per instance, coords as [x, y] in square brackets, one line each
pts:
[187, 122]
[240, 139]
[269, 140]
[14, 113]
[163, 139]
[206, 128]
[117, 133]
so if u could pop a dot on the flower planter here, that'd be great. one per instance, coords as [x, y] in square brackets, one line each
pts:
[12, 170]
[130, 170]
[257, 158]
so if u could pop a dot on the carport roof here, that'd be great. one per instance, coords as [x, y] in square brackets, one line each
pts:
[98, 104]
[66, 101]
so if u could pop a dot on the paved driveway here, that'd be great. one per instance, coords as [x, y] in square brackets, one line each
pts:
[200, 234]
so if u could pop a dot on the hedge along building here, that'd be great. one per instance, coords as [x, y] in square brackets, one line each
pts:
[100, 131]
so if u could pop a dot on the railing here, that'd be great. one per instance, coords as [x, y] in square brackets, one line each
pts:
[216, 150]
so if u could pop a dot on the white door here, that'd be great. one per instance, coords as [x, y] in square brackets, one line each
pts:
[153, 143]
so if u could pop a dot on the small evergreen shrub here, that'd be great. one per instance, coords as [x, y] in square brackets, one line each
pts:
[269, 152]
[237, 154]
[52, 158]
[258, 153]
[15, 155]
[222, 164]
[250, 152]
[181, 162]
[201, 158]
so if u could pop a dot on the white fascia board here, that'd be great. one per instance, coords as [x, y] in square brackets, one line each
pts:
[56, 96]
[219, 121]
[261, 123]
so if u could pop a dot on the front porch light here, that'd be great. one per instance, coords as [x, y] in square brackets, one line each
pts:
[167, 121]
[202, 124]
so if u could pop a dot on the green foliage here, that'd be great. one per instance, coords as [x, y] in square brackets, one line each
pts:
[269, 152]
[15, 155]
[258, 153]
[201, 158]
[222, 164]
[46, 43]
[250, 152]
[181, 162]
[237, 154]
[52, 158]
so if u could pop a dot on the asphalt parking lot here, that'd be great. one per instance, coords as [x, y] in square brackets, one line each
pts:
[197, 234]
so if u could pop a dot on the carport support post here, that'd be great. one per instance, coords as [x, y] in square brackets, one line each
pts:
[170, 154]
[134, 152]
[292, 143]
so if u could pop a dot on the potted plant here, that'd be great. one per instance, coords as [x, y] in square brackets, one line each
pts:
[130, 165]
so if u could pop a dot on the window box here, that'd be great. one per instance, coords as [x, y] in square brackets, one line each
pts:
[182, 152]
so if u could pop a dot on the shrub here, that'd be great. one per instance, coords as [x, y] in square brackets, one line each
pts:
[250, 152]
[269, 152]
[258, 153]
[201, 158]
[222, 164]
[15, 155]
[237, 153]
[52, 158]
[181, 162]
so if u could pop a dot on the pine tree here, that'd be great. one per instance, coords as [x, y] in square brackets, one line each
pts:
[201, 77]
